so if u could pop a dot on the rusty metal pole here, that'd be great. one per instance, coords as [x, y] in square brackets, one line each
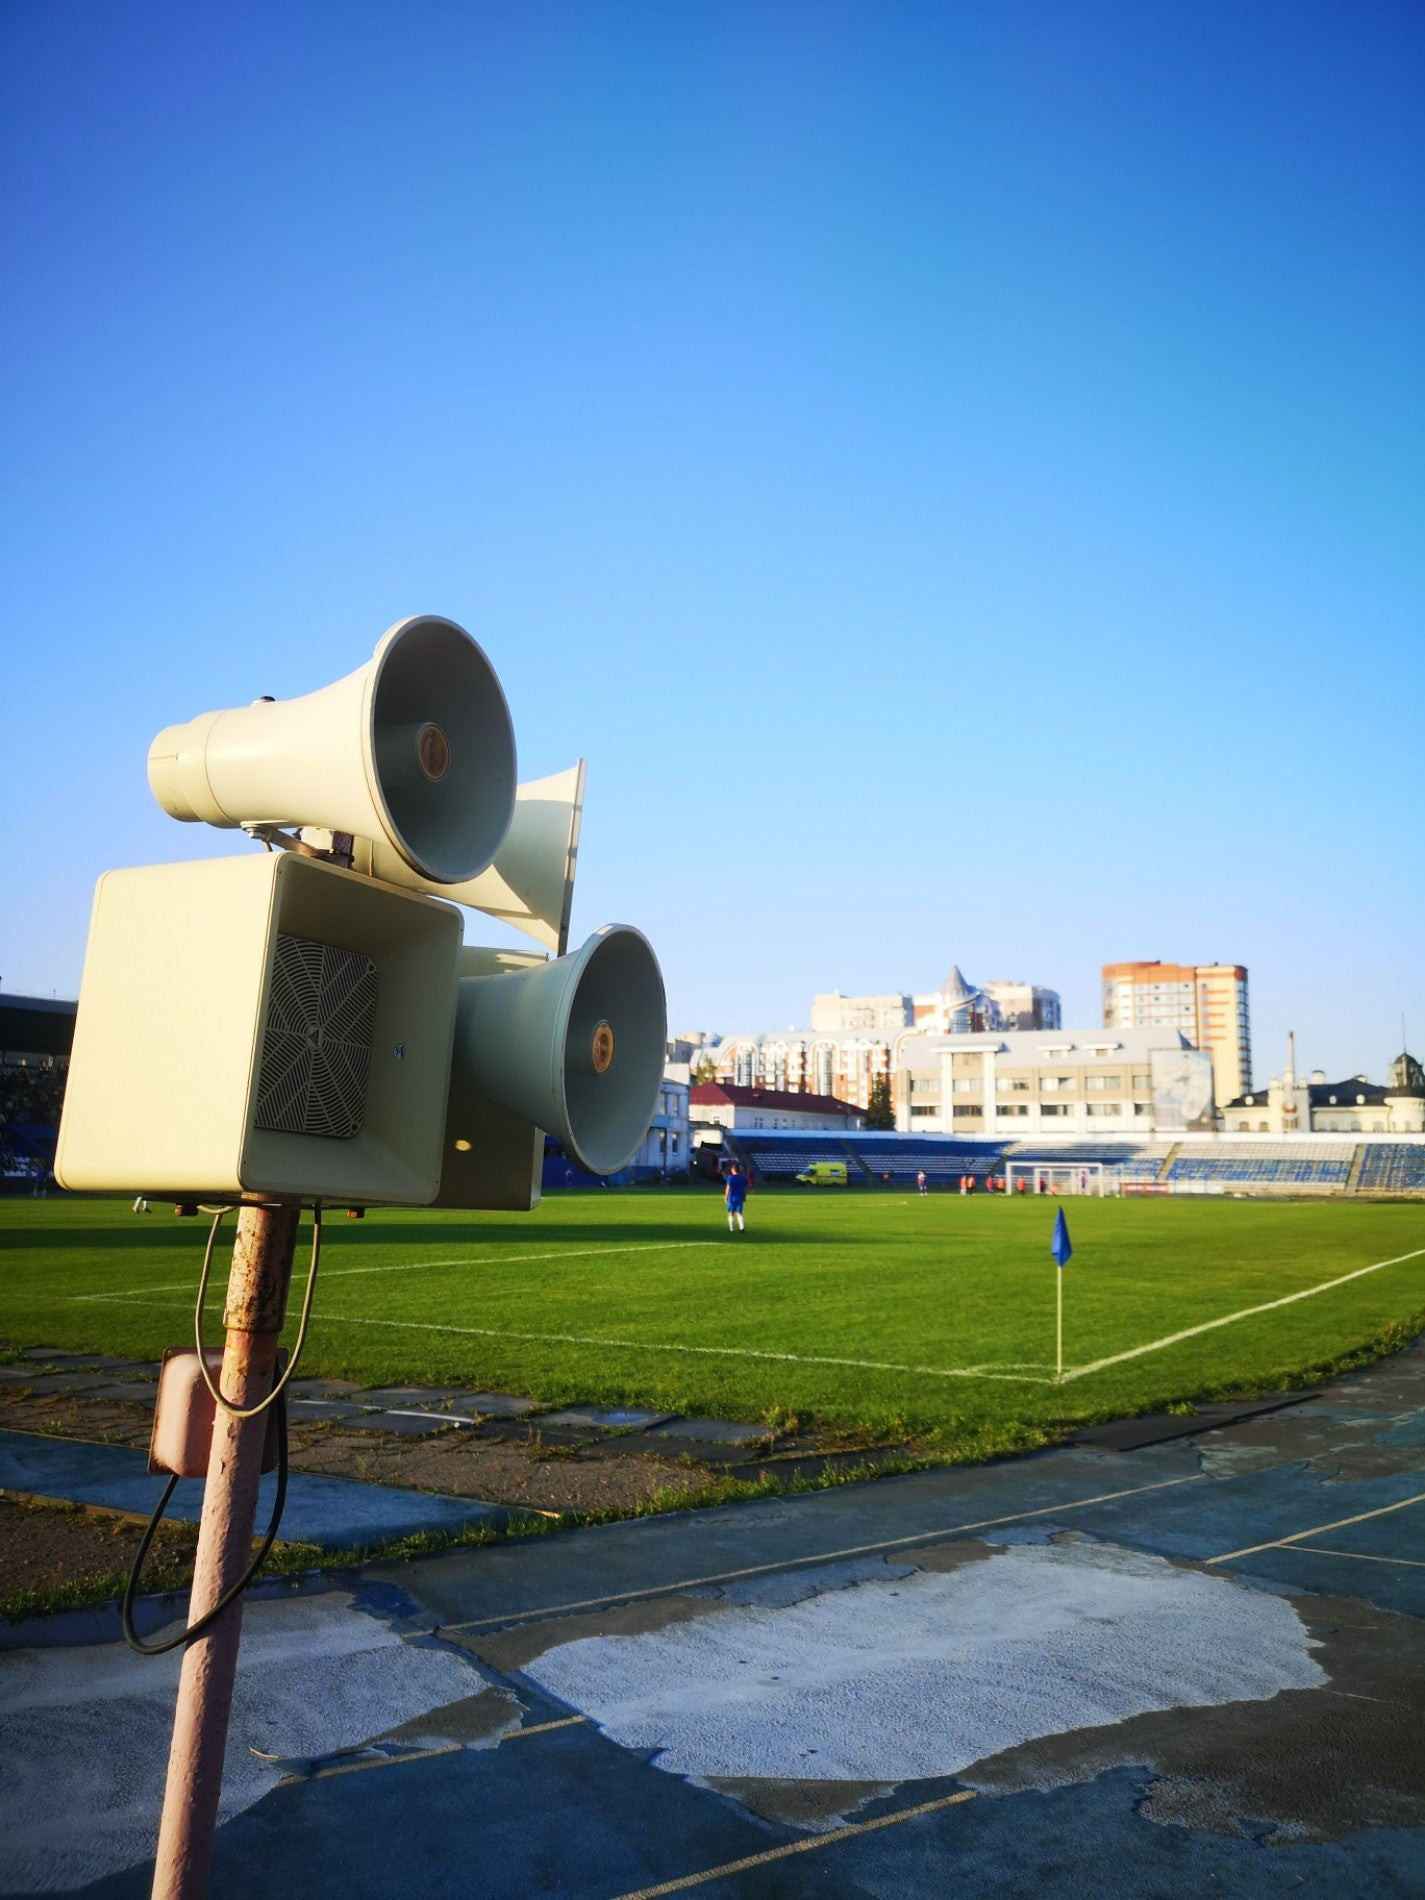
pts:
[256, 1303]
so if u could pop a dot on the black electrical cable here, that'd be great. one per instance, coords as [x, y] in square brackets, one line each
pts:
[131, 1636]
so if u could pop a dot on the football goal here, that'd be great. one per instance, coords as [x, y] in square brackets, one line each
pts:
[1059, 1177]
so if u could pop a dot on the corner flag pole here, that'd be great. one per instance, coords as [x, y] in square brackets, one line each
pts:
[1060, 1248]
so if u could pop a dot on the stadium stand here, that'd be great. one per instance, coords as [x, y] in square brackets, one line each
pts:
[1177, 1167]
[1391, 1167]
[30, 1100]
[1129, 1160]
[1287, 1164]
[781, 1157]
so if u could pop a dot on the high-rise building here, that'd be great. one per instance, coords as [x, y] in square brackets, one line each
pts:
[1206, 1002]
[1025, 1005]
[853, 1040]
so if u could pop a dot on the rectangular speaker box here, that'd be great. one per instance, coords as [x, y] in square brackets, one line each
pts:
[491, 1158]
[262, 1025]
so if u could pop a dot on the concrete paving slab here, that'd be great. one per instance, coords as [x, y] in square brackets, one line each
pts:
[337, 1513]
[314, 1410]
[1157, 1428]
[322, 1388]
[67, 1382]
[382, 1397]
[65, 1361]
[491, 1405]
[605, 1420]
[408, 1424]
[711, 1431]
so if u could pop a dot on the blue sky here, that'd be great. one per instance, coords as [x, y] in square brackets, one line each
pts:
[955, 470]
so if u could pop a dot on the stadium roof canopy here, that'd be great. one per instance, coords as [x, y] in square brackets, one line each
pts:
[35, 1026]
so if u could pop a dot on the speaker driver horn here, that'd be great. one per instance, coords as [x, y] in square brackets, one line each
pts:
[575, 1046]
[415, 747]
[530, 885]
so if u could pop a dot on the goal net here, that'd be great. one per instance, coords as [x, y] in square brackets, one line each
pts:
[1057, 1177]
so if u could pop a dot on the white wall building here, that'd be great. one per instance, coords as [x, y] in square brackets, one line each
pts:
[720, 1105]
[852, 1040]
[667, 1147]
[1052, 1083]
[1290, 1104]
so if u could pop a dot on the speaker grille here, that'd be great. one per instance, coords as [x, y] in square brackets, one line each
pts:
[316, 1050]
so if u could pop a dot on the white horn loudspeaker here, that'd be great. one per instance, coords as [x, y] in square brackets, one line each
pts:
[415, 748]
[530, 885]
[574, 1046]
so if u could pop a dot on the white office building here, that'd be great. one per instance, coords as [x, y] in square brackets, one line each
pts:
[1051, 1083]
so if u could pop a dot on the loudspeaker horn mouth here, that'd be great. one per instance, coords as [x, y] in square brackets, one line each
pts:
[442, 749]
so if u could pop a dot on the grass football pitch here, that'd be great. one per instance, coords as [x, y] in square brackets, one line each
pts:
[883, 1312]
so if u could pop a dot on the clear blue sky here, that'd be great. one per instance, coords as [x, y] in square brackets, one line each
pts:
[955, 470]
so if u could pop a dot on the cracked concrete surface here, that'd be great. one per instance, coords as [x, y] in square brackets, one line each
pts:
[1310, 1764]
[921, 1676]
[88, 1735]
[1337, 1450]
[1130, 1717]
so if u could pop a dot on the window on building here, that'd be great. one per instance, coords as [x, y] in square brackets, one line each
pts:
[1051, 1084]
[1011, 1084]
[1101, 1082]
[968, 1085]
[1142, 1081]
[1013, 1108]
[1056, 1108]
[1103, 1108]
[973, 1109]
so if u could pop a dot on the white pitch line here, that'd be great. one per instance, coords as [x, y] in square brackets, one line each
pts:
[1156, 1345]
[944, 1533]
[711, 1352]
[642, 1345]
[493, 1260]
[1319, 1530]
[1356, 1556]
[414, 1266]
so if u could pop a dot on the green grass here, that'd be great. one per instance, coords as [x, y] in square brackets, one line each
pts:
[642, 1298]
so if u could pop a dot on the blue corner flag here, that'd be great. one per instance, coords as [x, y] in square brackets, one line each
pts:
[1059, 1245]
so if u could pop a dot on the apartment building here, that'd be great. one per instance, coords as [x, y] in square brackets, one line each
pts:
[853, 1040]
[1205, 1002]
